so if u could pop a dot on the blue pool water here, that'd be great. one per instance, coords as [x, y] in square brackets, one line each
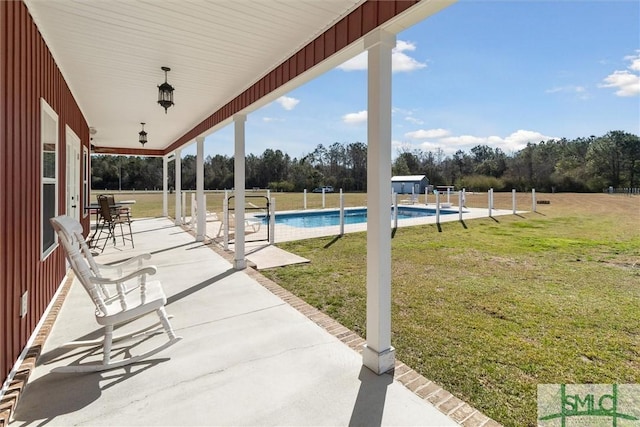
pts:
[351, 216]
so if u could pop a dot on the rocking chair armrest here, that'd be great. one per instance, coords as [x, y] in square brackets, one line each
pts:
[150, 269]
[137, 258]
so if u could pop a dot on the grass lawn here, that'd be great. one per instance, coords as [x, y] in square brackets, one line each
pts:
[491, 308]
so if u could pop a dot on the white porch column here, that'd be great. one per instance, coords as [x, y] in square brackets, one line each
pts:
[202, 209]
[165, 186]
[239, 261]
[178, 181]
[378, 355]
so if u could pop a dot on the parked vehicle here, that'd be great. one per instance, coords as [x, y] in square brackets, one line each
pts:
[327, 189]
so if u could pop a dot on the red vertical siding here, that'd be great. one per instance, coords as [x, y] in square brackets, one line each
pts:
[27, 73]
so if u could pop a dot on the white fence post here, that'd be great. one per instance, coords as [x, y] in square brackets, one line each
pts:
[426, 193]
[493, 206]
[322, 197]
[513, 200]
[193, 209]
[533, 199]
[183, 209]
[272, 220]
[395, 210]
[437, 207]
[305, 198]
[489, 200]
[341, 213]
[225, 218]
[460, 205]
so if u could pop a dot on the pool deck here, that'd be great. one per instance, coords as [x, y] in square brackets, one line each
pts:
[286, 233]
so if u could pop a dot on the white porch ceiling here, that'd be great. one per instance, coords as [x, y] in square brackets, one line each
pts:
[110, 53]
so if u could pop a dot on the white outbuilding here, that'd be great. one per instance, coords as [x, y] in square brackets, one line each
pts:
[409, 184]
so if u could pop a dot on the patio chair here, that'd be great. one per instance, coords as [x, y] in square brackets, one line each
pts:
[73, 228]
[110, 218]
[127, 307]
[116, 208]
[251, 224]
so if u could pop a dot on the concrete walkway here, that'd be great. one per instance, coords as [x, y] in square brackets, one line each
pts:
[247, 357]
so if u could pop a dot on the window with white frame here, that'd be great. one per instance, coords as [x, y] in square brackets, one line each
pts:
[49, 177]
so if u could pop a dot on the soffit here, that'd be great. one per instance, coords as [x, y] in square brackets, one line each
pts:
[110, 54]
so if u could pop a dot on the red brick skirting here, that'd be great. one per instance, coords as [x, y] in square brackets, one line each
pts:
[11, 397]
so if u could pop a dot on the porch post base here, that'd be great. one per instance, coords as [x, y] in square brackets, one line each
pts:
[379, 363]
[239, 264]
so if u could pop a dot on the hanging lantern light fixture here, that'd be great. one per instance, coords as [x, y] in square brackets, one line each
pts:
[142, 136]
[165, 92]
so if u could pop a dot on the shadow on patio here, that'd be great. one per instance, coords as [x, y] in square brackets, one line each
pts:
[247, 357]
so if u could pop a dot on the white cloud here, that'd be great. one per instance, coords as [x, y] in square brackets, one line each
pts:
[400, 145]
[356, 63]
[272, 119]
[426, 134]
[287, 102]
[355, 118]
[441, 139]
[464, 140]
[635, 61]
[570, 89]
[520, 138]
[514, 142]
[579, 91]
[626, 82]
[414, 120]
[400, 61]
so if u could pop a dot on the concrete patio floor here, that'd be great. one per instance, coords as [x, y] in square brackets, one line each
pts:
[251, 354]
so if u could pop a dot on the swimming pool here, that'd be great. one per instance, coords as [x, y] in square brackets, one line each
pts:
[311, 219]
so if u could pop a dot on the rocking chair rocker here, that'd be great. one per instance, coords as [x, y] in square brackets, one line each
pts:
[126, 305]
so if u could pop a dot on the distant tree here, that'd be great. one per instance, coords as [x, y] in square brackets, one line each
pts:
[357, 162]
[582, 164]
[400, 166]
[614, 160]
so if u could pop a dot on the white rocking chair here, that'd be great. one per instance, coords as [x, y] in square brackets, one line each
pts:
[110, 311]
[73, 228]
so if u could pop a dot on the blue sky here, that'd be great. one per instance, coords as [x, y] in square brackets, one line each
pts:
[501, 73]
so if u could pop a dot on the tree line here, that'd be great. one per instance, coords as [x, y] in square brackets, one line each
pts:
[578, 165]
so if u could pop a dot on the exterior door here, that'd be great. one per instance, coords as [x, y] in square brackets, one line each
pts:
[73, 174]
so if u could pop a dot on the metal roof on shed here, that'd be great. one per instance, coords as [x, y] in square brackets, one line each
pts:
[407, 178]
